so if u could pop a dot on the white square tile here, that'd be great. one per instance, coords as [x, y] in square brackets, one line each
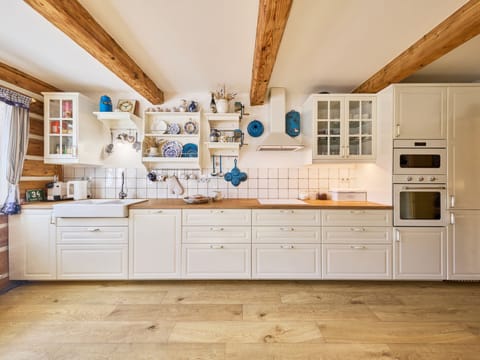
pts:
[141, 173]
[90, 173]
[262, 173]
[253, 193]
[303, 173]
[323, 184]
[283, 193]
[252, 183]
[283, 173]
[100, 193]
[132, 194]
[293, 173]
[110, 172]
[263, 183]
[232, 193]
[333, 173]
[313, 183]
[312, 173]
[292, 193]
[79, 172]
[293, 183]
[273, 193]
[303, 183]
[283, 183]
[110, 193]
[99, 183]
[110, 182]
[273, 183]
[100, 172]
[141, 193]
[262, 193]
[243, 193]
[152, 193]
[332, 184]
[141, 183]
[151, 185]
[131, 183]
[273, 173]
[323, 173]
[131, 173]
[253, 173]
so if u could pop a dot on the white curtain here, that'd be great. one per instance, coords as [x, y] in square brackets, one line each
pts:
[15, 127]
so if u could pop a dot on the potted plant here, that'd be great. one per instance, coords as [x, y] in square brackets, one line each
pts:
[222, 98]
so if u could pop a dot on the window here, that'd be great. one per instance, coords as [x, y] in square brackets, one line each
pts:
[4, 109]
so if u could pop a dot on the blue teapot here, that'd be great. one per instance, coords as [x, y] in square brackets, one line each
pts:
[105, 103]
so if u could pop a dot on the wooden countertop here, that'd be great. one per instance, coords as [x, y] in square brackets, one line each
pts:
[232, 204]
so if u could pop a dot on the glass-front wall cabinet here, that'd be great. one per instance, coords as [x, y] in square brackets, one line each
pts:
[61, 141]
[343, 128]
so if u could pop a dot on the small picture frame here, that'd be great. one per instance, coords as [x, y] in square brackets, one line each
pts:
[35, 195]
[127, 105]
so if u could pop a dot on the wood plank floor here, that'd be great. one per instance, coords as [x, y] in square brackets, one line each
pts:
[241, 320]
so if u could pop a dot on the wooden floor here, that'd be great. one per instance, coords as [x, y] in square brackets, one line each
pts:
[241, 320]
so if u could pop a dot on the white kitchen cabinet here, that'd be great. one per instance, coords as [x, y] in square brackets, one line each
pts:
[216, 261]
[73, 135]
[356, 261]
[92, 248]
[216, 243]
[155, 244]
[344, 126]
[420, 111]
[286, 244]
[32, 245]
[464, 245]
[356, 244]
[420, 253]
[286, 261]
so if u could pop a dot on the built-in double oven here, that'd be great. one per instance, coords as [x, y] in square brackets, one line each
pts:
[419, 177]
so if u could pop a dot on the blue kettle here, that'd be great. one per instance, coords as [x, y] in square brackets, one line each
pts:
[105, 103]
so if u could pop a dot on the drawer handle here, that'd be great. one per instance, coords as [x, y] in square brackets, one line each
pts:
[357, 211]
[217, 211]
[158, 212]
[286, 246]
[216, 246]
[286, 229]
[93, 229]
[216, 229]
[357, 229]
[287, 211]
[358, 247]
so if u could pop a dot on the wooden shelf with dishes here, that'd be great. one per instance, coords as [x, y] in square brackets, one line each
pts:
[226, 137]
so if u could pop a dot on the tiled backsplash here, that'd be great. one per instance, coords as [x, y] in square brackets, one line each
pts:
[273, 183]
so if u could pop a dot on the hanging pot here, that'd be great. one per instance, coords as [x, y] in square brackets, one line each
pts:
[235, 176]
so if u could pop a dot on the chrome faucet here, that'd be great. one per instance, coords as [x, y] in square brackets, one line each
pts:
[122, 194]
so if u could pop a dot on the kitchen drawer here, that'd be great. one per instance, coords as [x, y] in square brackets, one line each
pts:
[92, 235]
[90, 222]
[357, 217]
[283, 217]
[286, 261]
[356, 261]
[217, 217]
[216, 261]
[356, 235]
[286, 234]
[92, 261]
[216, 234]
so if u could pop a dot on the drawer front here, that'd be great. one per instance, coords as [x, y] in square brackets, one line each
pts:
[216, 261]
[216, 217]
[216, 234]
[92, 261]
[92, 235]
[286, 261]
[283, 217]
[356, 235]
[89, 222]
[357, 218]
[357, 261]
[286, 234]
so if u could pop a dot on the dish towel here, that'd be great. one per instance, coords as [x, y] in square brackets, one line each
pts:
[174, 186]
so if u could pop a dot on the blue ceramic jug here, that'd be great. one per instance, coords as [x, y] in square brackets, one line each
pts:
[105, 103]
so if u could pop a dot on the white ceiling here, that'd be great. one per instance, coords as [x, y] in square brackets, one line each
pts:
[193, 46]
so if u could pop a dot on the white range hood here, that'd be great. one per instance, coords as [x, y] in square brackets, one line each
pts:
[277, 139]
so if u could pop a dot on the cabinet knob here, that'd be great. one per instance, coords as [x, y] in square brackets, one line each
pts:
[421, 178]
[409, 178]
[432, 178]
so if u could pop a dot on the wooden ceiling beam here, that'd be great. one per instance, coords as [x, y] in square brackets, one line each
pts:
[76, 22]
[271, 22]
[458, 28]
[23, 80]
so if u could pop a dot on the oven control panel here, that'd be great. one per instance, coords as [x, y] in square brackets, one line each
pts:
[419, 179]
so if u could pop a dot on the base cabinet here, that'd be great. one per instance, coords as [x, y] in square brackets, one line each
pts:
[155, 244]
[420, 253]
[32, 245]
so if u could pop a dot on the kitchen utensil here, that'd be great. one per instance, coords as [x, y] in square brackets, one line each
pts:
[221, 172]
[137, 145]
[255, 128]
[152, 176]
[190, 127]
[130, 138]
[235, 176]
[109, 147]
[196, 199]
[172, 149]
[292, 123]
[214, 172]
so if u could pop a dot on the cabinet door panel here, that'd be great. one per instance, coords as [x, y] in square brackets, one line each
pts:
[216, 217]
[357, 217]
[280, 261]
[356, 235]
[356, 261]
[92, 235]
[216, 234]
[286, 217]
[286, 234]
[420, 253]
[216, 261]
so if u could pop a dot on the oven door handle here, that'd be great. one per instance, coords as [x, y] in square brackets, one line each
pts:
[424, 188]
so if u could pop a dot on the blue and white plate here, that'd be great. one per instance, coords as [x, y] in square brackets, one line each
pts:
[173, 129]
[172, 149]
[255, 128]
[190, 150]
[190, 127]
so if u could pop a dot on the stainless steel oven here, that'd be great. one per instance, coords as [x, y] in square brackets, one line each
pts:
[420, 204]
[419, 157]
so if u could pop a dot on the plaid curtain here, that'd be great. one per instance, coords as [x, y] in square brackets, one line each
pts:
[15, 128]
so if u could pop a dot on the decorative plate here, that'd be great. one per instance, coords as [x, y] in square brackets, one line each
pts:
[190, 150]
[190, 127]
[159, 126]
[255, 128]
[173, 129]
[292, 123]
[172, 149]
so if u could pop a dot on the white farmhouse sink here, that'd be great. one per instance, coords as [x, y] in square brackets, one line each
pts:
[95, 208]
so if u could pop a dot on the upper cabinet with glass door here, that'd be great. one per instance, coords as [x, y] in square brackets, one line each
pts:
[72, 135]
[343, 126]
